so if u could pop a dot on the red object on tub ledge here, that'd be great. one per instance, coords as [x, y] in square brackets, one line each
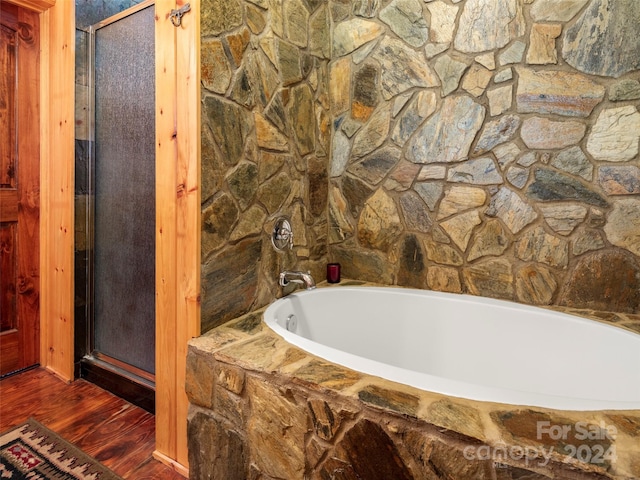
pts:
[333, 272]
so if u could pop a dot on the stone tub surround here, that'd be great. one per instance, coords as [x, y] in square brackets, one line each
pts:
[262, 408]
[468, 146]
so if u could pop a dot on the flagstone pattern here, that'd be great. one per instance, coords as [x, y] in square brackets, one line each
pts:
[377, 125]
[472, 146]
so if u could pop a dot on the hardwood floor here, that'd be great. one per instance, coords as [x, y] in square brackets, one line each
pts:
[113, 431]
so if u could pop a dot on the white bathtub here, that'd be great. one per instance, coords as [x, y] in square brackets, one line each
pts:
[465, 346]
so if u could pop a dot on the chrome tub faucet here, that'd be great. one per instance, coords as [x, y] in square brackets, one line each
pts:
[299, 278]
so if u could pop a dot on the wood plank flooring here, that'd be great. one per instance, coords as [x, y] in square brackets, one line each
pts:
[113, 431]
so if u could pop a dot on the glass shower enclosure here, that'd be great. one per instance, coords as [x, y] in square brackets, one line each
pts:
[115, 178]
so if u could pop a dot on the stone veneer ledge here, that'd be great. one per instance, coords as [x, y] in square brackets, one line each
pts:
[260, 406]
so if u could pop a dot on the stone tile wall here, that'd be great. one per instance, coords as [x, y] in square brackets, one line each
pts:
[480, 146]
[265, 147]
[82, 195]
[489, 147]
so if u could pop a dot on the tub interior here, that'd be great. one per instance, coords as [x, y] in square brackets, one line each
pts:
[465, 341]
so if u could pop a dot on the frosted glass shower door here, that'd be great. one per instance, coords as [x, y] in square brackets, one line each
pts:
[124, 186]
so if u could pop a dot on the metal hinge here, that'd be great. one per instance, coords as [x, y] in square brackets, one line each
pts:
[176, 15]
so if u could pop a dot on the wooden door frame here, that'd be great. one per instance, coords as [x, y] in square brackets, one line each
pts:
[178, 205]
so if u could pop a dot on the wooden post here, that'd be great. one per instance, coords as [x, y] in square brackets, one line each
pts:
[57, 187]
[177, 221]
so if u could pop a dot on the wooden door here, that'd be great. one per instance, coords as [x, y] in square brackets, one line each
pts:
[19, 188]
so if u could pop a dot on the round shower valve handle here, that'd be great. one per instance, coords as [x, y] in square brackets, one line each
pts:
[282, 236]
